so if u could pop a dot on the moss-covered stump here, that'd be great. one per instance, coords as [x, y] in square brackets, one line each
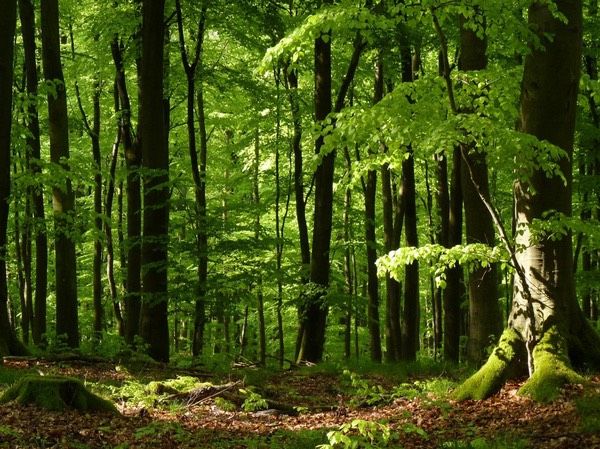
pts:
[56, 393]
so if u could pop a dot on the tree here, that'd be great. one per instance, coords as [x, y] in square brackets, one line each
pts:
[191, 69]
[155, 157]
[27, 18]
[546, 326]
[133, 158]
[484, 313]
[8, 340]
[314, 311]
[63, 198]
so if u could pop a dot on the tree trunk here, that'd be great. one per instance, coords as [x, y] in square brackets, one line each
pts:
[393, 334]
[314, 316]
[154, 327]
[454, 287]
[370, 192]
[292, 88]
[63, 198]
[27, 16]
[442, 200]
[133, 159]
[262, 337]
[191, 68]
[546, 322]
[485, 323]
[9, 343]
[410, 310]
[314, 311]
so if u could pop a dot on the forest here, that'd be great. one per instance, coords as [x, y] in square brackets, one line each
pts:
[300, 223]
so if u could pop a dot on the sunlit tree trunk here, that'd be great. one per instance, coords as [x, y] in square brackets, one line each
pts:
[546, 326]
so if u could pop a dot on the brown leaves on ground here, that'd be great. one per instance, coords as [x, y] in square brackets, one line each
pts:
[547, 426]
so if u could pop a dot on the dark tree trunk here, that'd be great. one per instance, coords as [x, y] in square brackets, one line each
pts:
[546, 321]
[442, 200]
[314, 311]
[454, 287]
[154, 327]
[370, 192]
[191, 68]
[485, 323]
[392, 227]
[260, 300]
[97, 269]
[9, 343]
[314, 316]
[38, 325]
[133, 160]
[292, 88]
[410, 310]
[63, 198]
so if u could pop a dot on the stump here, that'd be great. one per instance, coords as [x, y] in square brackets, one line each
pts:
[56, 393]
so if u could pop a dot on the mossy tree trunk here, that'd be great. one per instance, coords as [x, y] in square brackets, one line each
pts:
[546, 325]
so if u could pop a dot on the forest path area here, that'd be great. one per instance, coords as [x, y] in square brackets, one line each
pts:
[417, 412]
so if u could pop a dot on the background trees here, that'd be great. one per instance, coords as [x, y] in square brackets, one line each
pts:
[278, 98]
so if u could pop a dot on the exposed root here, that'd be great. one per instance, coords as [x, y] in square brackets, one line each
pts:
[491, 376]
[552, 368]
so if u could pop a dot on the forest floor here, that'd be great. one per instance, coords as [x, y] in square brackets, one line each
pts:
[416, 410]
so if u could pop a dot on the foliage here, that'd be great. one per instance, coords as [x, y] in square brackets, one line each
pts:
[360, 434]
[253, 401]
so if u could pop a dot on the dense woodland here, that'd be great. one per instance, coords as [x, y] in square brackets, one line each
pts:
[298, 181]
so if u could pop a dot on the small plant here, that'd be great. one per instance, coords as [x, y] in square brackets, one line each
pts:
[225, 405]
[364, 393]
[360, 434]
[254, 401]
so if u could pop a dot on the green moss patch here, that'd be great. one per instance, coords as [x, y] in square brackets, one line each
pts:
[56, 393]
[491, 376]
[551, 368]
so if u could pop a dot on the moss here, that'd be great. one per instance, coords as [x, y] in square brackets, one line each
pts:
[56, 393]
[491, 376]
[551, 368]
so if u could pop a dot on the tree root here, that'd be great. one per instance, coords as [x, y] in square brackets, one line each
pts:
[552, 368]
[491, 376]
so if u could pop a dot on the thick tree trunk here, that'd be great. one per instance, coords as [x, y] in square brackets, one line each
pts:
[63, 198]
[314, 311]
[485, 323]
[546, 322]
[154, 327]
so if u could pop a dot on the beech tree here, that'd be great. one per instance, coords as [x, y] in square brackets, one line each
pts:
[63, 197]
[155, 160]
[9, 343]
[547, 331]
